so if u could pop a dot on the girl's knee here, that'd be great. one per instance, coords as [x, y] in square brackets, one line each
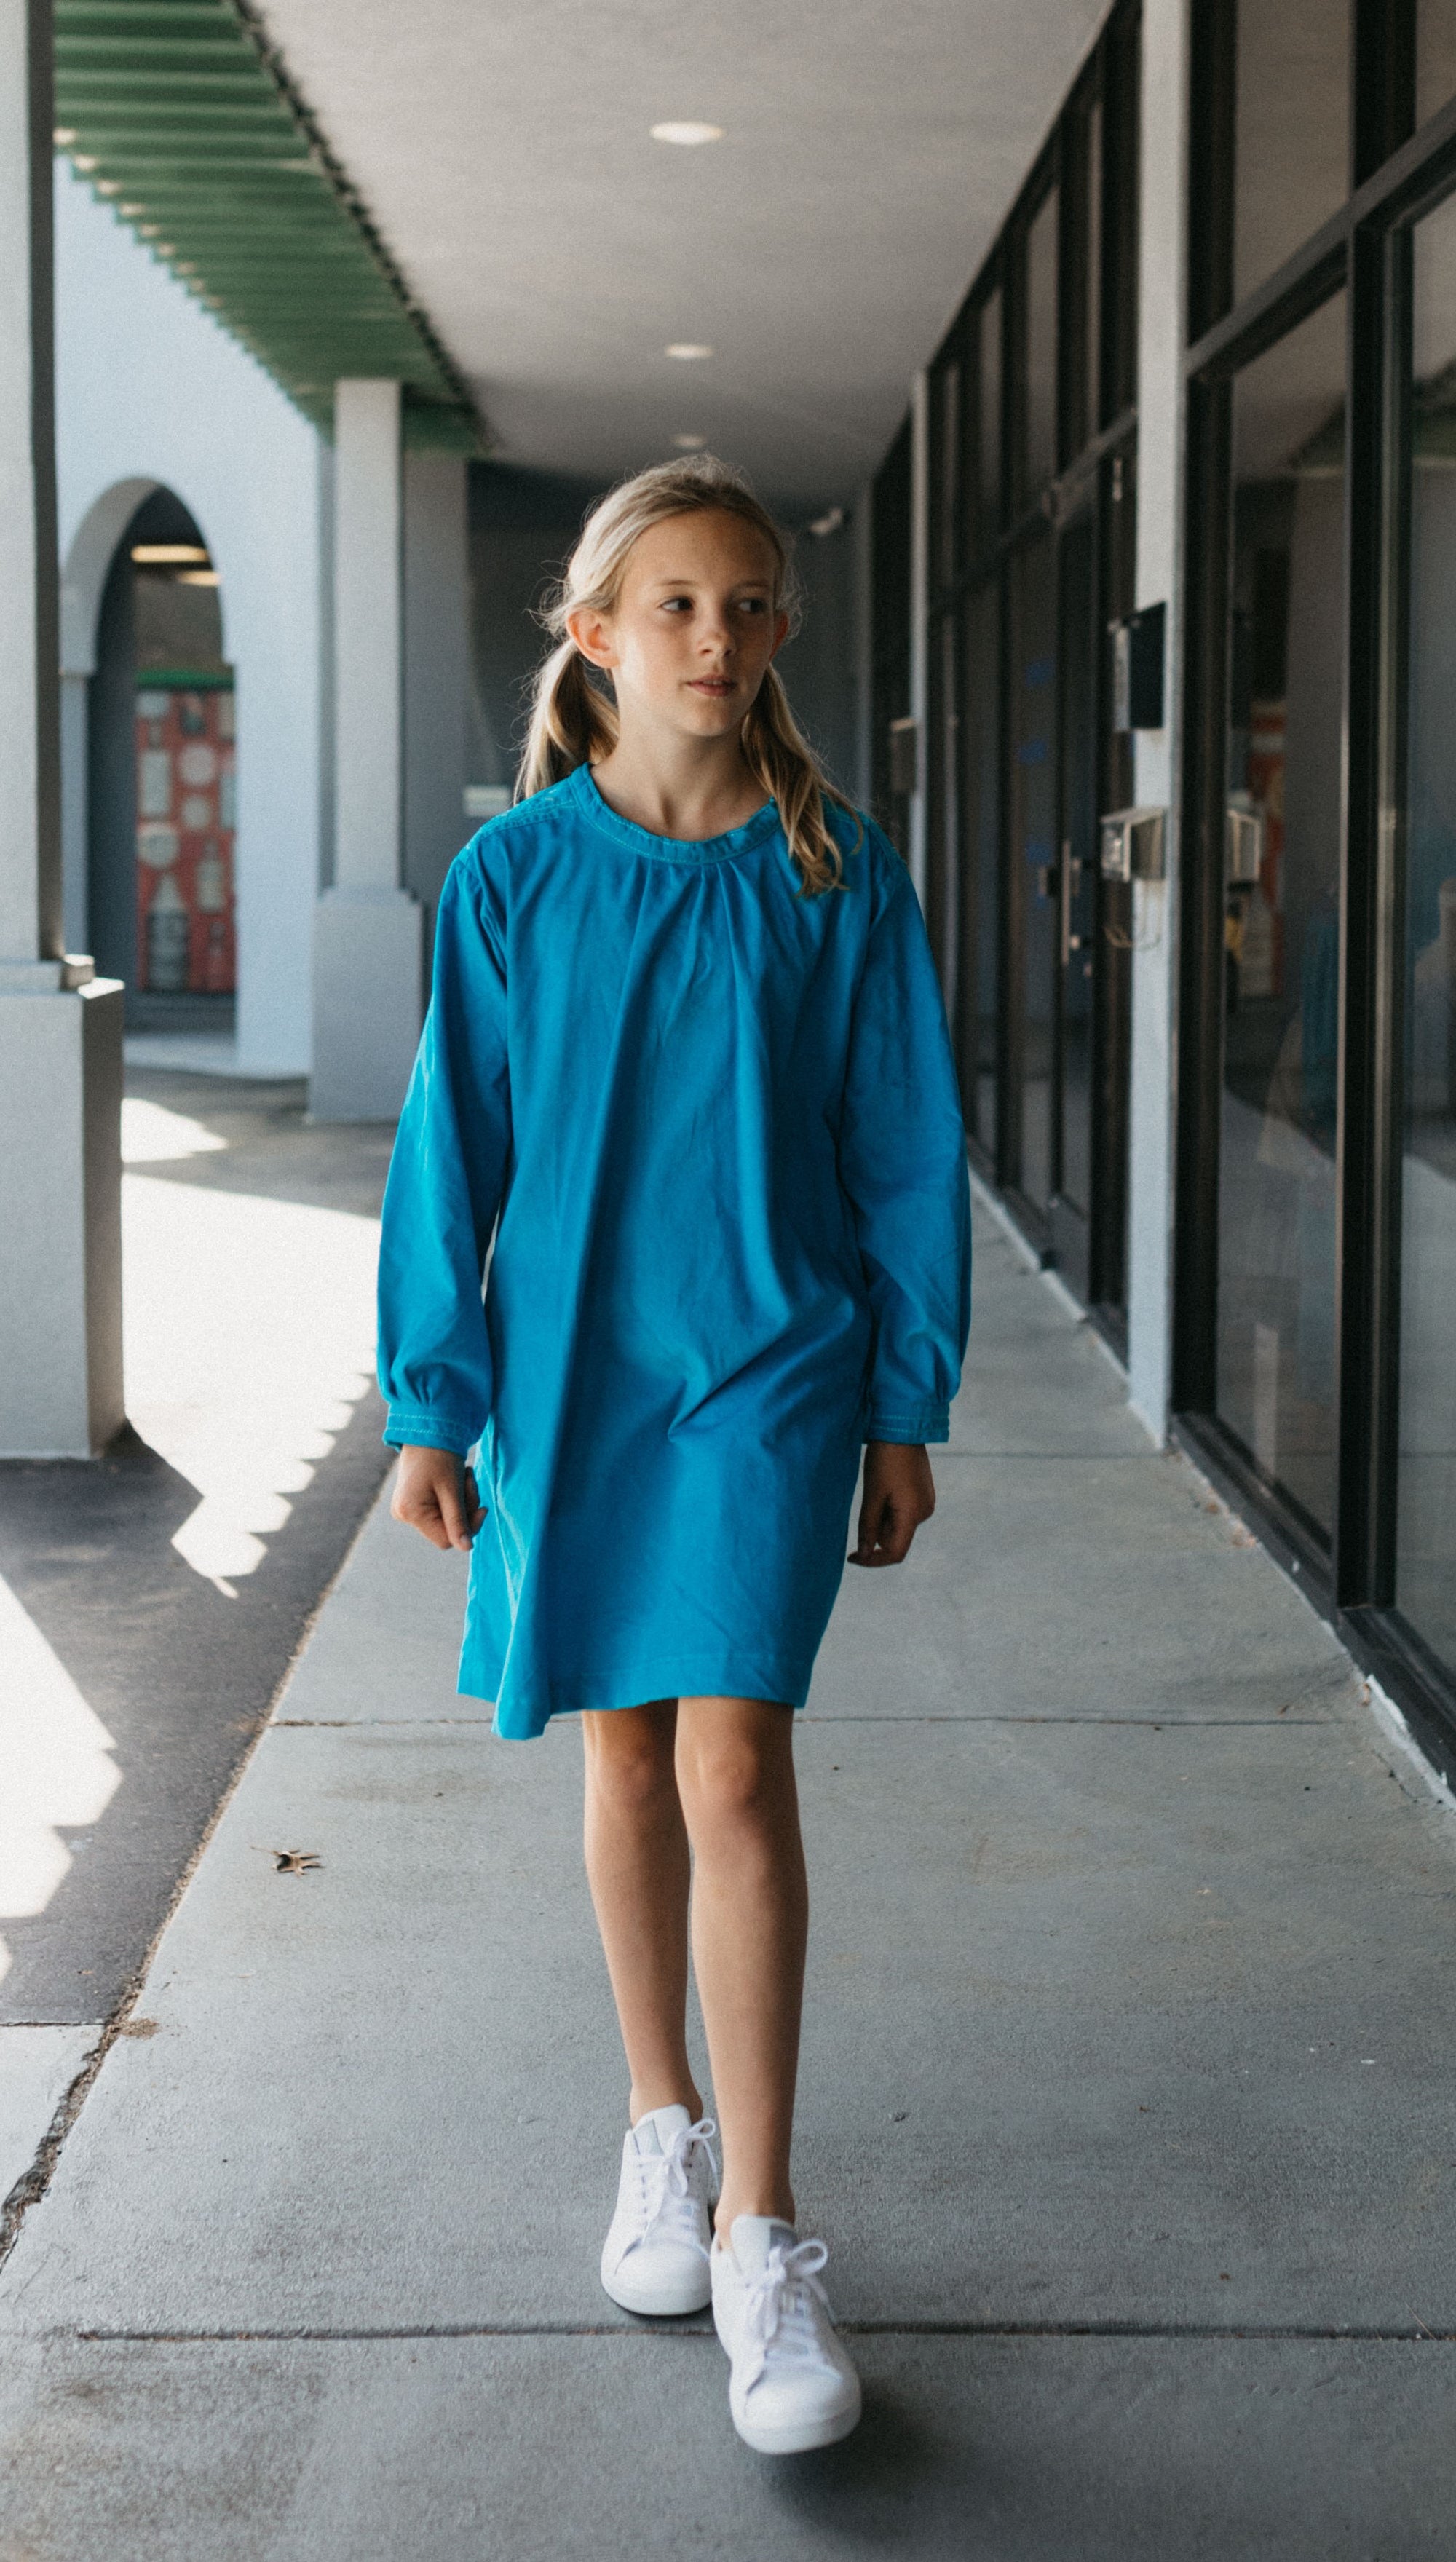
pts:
[629, 1760]
[734, 1781]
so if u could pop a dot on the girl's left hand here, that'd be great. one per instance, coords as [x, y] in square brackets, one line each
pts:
[899, 1494]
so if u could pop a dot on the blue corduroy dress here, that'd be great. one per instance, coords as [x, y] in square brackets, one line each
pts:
[713, 1127]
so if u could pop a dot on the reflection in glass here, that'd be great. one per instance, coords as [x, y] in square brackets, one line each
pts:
[989, 443]
[1436, 56]
[946, 803]
[1426, 1505]
[949, 495]
[1276, 1185]
[1292, 131]
[1077, 876]
[1093, 407]
[981, 887]
[1040, 452]
[1034, 847]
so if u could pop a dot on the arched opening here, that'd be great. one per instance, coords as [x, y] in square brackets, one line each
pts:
[161, 784]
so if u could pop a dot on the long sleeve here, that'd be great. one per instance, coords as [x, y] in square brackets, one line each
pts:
[902, 1163]
[445, 1181]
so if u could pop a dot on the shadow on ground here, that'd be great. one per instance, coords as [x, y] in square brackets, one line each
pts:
[179, 1671]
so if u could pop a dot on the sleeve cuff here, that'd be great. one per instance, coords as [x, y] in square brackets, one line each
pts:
[421, 1431]
[919, 1423]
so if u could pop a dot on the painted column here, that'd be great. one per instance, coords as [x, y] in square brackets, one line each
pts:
[1163, 301]
[919, 618]
[437, 677]
[368, 945]
[60, 1026]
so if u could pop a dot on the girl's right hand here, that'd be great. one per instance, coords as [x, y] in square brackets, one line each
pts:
[435, 1493]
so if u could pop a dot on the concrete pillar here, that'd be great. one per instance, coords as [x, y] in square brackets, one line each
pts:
[437, 677]
[861, 527]
[919, 619]
[1163, 301]
[60, 1026]
[368, 947]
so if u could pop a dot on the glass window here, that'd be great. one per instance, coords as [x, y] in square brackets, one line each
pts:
[980, 916]
[1436, 56]
[1292, 130]
[989, 439]
[1034, 849]
[1094, 268]
[1040, 432]
[1426, 1504]
[949, 494]
[1276, 1194]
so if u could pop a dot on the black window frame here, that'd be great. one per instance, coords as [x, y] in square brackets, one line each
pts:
[1397, 175]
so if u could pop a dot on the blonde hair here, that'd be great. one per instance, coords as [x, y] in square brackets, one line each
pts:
[574, 721]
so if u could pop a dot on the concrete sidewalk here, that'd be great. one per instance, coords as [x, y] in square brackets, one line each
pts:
[1127, 2095]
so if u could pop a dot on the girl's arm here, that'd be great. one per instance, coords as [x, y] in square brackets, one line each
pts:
[445, 1181]
[902, 1162]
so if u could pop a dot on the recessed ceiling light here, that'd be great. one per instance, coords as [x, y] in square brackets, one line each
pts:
[155, 555]
[689, 444]
[687, 135]
[686, 351]
[198, 578]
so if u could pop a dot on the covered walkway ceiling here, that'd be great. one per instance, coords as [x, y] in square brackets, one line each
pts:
[871, 150]
[501, 152]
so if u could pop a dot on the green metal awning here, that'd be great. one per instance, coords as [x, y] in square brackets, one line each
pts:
[184, 120]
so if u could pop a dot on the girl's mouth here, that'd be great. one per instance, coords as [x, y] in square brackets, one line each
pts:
[711, 685]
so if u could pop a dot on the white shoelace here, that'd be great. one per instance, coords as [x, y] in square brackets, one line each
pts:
[778, 2312]
[664, 2199]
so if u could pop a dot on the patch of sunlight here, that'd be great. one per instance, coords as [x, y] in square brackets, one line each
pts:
[153, 1133]
[249, 1339]
[56, 1755]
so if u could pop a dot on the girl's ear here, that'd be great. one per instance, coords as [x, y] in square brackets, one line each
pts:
[591, 633]
[781, 634]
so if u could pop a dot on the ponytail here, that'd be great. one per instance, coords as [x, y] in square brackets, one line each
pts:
[574, 721]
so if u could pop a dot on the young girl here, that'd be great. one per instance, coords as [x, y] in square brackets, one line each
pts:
[687, 1064]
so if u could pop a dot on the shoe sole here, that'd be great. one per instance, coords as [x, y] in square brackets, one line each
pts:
[644, 2300]
[800, 2441]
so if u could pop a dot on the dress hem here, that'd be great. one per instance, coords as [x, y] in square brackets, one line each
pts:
[636, 1688]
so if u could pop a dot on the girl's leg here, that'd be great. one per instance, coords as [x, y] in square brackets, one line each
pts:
[639, 1868]
[750, 1923]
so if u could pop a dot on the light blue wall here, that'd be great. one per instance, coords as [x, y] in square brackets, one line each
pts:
[150, 388]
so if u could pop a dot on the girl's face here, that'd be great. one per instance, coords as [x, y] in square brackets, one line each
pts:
[694, 628]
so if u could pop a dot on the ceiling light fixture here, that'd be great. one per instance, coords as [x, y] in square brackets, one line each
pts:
[686, 351]
[688, 136]
[152, 555]
[689, 444]
[198, 578]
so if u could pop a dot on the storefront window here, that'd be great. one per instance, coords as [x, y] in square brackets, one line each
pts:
[1436, 56]
[1033, 847]
[1426, 1504]
[1277, 1187]
[980, 876]
[1093, 397]
[989, 438]
[1039, 446]
[1292, 130]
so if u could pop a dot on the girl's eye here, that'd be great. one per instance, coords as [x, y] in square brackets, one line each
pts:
[677, 603]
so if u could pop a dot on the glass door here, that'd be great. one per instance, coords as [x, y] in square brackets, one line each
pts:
[1281, 851]
[1076, 877]
[1426, 1512]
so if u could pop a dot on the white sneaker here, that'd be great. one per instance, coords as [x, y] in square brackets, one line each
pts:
[792, 2386]
[656, 2256]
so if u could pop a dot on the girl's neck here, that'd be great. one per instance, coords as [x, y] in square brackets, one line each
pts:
[687, 788]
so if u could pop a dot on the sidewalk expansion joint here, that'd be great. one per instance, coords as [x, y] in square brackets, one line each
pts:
[1411, 2334]
[990, 1717]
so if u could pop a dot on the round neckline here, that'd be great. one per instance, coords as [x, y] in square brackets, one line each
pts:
[582, 783]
